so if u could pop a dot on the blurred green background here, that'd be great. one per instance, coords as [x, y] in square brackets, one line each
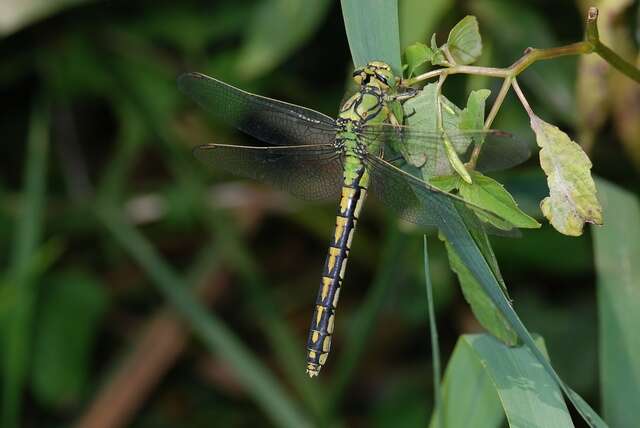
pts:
[108, 226]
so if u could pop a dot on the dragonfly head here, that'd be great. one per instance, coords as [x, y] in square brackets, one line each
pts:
[375, 73]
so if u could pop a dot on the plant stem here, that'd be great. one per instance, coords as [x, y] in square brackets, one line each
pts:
[522, 98]
[504, 89]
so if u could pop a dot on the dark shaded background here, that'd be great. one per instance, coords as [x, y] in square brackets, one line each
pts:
[102, 75]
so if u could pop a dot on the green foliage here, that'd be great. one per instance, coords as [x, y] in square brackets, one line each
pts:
[483, 308]
[617, 251]
[487, 193]
[366, 45]
[73, 307]
[484, 376]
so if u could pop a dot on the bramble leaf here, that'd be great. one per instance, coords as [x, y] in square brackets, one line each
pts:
[572, 200]
[464, 42]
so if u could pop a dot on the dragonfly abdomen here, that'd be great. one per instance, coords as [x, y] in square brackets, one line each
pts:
[322, 323]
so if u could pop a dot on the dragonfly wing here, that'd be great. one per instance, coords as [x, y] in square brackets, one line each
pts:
[272, 121]
[311, 172]
[415, 200]
[425, 149]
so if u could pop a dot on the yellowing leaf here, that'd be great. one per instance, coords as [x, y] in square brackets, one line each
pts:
[572, 198]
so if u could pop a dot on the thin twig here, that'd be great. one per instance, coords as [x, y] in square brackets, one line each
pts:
[523, 100]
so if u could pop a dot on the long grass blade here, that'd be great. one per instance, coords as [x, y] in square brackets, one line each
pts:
[467, 249]
[267, 392]
[433, 331]
[486, 379]
[617, 252]
[18, 323]
[373, 31]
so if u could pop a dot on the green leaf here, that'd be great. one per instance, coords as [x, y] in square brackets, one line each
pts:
[491, 195]
[277, 28]
[458, 235]
[483, 308]
[472, 116]
[373, 32]
[416, 55]
[438, 56]
[572, 194]
[484, 375]
[421, 112]
[464, 42]
[617, 252]
[64, 343]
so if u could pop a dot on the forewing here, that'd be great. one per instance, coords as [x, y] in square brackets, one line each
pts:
[272, 121]
[499, 149]
[311, 172]
[415, 200]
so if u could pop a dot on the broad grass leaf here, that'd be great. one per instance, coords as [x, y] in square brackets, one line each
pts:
[617, 252]
[464, 42]
[470, 253]
[373, 31]
[483, 308]
[572, 198]
[503, 377]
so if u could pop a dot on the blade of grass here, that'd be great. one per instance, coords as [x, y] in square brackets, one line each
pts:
[467, 249]
[373, 32]
[433, 330]
[28, 234]
[489, 379]
[267, 392]
[364, 321]
[617, 251]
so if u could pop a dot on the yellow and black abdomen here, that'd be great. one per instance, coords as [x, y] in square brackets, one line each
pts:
[319, 342]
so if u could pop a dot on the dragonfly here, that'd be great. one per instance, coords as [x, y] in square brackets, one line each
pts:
[316, 157]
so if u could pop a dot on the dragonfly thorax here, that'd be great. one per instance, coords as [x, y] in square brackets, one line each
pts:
[367, 106]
